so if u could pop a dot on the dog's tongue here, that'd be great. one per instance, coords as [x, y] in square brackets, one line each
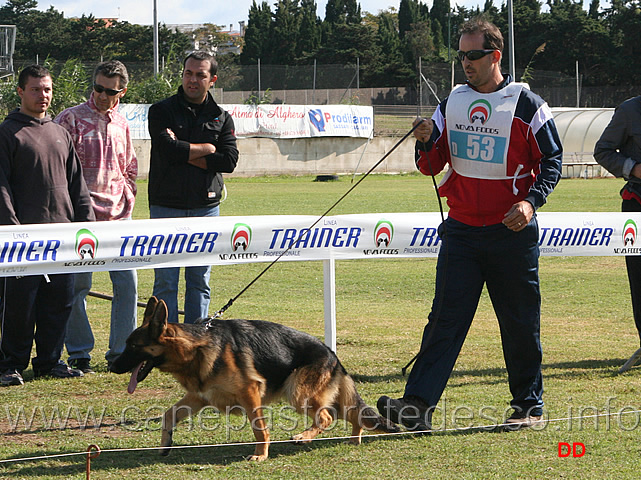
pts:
[133, 381]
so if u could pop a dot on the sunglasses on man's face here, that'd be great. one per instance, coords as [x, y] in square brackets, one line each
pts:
[473, 54]
[109, 91]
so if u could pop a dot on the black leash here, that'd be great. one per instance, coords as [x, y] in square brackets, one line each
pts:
[439, 302]
[231, 301]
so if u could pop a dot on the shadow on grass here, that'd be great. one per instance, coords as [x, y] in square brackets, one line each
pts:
[608, 367]
[489, 376]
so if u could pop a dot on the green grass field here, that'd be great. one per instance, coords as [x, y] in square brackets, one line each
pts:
[382, 306]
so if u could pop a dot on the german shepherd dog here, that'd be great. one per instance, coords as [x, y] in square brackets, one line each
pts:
[248, 364]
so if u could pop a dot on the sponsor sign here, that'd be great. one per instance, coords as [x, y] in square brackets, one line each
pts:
[97, 246]
[277, 121]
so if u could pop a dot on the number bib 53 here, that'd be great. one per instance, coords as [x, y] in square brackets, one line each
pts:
[478, 129]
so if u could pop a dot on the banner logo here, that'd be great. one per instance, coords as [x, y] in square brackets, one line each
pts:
[479, 110]
[383, 233]
[241, 237]
[86, 244]
[629, 233]
[317, 118]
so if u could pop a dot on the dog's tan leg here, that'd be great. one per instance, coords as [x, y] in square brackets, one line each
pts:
[321, 419]
[351, 415]
[188, 405]
[259, 426]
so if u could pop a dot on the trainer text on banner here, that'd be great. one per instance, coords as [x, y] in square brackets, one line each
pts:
[78, 247]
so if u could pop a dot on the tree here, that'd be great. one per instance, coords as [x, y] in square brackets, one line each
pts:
[418, 43]
[568, 30]
[342, 12]
[529, 30]
[42, 34]
[14, 10]
[622, 24]
[409, 13]
[388, 38]
[284, 33]
[392, 69]
[339, 12]
[439, 41]
[86, 35]
[129, 42]
[351, 44]
[440, 12]
[257, 33]
[49, 34]
[309, 38]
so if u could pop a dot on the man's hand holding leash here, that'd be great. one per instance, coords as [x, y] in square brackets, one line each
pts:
[424, 131]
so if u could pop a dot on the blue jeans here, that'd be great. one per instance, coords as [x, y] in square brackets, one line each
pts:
[197, 291]
[79, 339]
[508, 263]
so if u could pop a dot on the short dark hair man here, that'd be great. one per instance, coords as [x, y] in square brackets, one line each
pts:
[40, 182]
[504, 156]
[192, 144]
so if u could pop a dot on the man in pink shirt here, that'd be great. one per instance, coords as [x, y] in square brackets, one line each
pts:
[101, 138]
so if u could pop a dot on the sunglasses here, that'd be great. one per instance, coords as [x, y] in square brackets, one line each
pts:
[109, 91]
[473, 54]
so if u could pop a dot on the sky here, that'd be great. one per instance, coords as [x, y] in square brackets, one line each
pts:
[218, 12]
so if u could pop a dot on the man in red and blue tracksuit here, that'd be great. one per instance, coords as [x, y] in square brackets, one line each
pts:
[503, 151]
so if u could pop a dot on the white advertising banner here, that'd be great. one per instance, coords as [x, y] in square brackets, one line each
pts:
[278, 121]
[136, 115]
[103, 246]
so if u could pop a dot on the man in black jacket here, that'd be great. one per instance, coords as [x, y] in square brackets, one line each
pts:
[192, 144]
[619, 151]
[40, 182]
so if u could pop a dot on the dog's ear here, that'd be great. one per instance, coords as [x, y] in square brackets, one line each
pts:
[149, 311]
[158, 320]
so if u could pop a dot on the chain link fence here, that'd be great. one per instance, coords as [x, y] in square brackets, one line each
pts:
[317, 84]
[340, 84]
